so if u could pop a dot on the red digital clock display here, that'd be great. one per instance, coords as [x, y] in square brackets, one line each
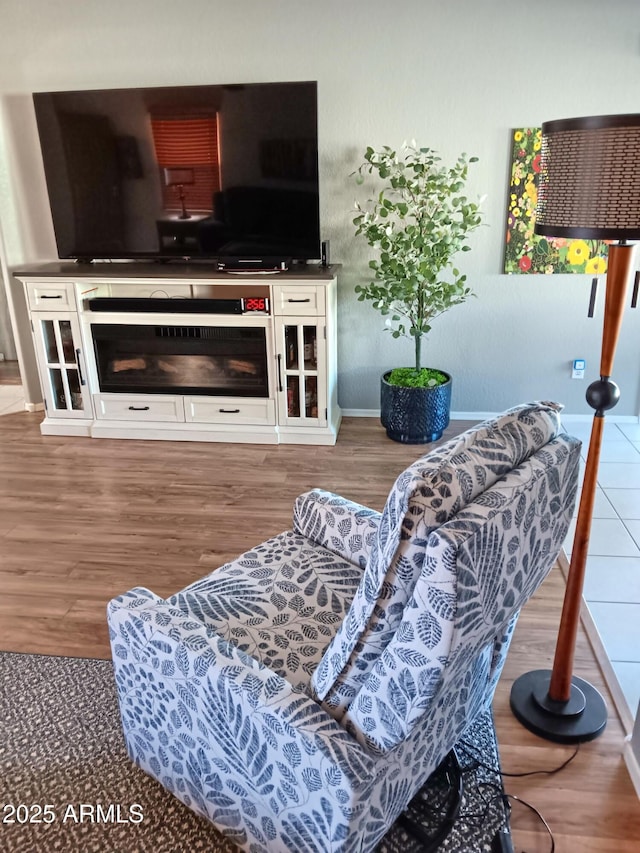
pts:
[256, 303]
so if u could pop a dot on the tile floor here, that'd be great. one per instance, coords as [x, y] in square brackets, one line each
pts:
[612, 582]
[11, 399]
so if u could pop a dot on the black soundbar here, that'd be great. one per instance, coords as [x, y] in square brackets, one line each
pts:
[161, 305]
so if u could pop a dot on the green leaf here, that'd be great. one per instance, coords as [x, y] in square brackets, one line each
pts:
[408, 377]
[416, 226]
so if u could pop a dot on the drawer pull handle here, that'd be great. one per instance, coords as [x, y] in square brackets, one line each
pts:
[229, 411]
[48, 296]
[299, 300]
[280, 388]
[82, 382]
[138, 408]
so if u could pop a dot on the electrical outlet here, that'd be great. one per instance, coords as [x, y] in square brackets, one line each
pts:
[578, 368]
[1, 356]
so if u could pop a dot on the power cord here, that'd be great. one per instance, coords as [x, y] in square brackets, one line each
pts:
[536, 812]
[502, 841]
[549, 772]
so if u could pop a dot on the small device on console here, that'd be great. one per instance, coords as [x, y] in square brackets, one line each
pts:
[253, 264]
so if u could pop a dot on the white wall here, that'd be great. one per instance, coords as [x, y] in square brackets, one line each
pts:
[457, 76]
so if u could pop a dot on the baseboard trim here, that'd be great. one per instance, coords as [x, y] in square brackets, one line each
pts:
[473, 416]
[633, 766]
[455, 416]
[587, 419]
[483, 416]
[360, 413]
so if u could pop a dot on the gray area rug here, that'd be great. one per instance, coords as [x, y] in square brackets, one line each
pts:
[67, 783]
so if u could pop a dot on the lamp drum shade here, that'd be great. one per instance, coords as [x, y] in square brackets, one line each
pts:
[176, 176]
[589, 180]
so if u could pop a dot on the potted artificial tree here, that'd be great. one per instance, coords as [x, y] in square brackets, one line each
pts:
[417, 223]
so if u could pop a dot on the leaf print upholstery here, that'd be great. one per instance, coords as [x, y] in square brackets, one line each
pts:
[480, 568]
[344, 527]
[230, 738]
[281, 603]
[215, 683]
[426, 495]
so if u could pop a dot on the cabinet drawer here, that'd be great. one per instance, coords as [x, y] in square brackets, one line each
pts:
[229, 410]
[139, 407]
[50, 297]
[298, 300]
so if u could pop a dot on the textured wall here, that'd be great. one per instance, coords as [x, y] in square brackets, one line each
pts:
[456, 76]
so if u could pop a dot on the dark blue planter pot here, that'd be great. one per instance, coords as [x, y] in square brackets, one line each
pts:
[415, 415]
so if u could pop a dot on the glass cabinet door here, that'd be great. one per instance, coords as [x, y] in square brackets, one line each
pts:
[58, 345]
[301, 368]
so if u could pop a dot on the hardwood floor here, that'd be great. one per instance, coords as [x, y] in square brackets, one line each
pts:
[82, 520]
[9, 373]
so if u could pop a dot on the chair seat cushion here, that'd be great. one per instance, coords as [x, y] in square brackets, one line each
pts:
[281, 603]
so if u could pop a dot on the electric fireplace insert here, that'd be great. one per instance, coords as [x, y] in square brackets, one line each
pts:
[208, 360]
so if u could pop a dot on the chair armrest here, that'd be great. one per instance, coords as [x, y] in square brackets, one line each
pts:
[228, 736]
[346, 528]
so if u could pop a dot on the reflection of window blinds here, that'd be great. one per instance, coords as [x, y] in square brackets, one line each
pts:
[192, 143]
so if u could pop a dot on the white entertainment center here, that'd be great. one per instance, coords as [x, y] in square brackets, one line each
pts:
[183, 352]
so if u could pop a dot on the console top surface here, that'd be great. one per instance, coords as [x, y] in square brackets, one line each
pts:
[173, 271]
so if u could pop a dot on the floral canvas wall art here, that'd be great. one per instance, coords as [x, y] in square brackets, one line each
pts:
[527, 252]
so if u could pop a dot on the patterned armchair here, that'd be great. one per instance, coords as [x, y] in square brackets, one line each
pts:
[301, 695]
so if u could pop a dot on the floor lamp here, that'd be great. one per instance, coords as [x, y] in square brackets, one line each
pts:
[589, 188]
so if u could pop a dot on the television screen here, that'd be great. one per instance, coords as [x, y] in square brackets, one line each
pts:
[216, 172]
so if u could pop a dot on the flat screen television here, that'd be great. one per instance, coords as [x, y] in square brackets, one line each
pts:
[227, 173]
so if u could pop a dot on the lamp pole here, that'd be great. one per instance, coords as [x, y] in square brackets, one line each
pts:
[602, 395]
[556, 704]
[589, 187]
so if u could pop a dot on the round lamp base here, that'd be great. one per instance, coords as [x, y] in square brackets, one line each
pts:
[580, 719]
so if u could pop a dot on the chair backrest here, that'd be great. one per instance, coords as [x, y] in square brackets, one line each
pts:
[426, 495]
[444, 660]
